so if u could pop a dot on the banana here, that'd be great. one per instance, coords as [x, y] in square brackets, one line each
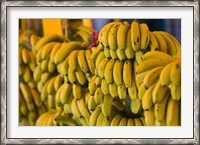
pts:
[92, 86]
[113, 90]
[122, 34]
[100, 119]
[27, 74]
[105, 87]
[101, 67]
[20, 56]
[91, 104]
[80, 76]
[152, 76]
[36, 97]
[149, 117]
[48, 38]
[137, 122]
[100, 57]
[160, 108]
[165, 75]
[153, 43]
[132, 91]
[145, 36]
[127, 73]
[44, 65]
[115, 121]
[40, 86]
[83, 122]
[175, 74]
[123, 121]
[118, 104]
[25, 56]
[90, 63]
[21, 70]
[94, 53]
[108, 72]
[72, 60]
[83, 109]
[51, 101]
[161, 123]
[72, 75]
[159, 92]
[37, 74]
[32, 62]
[129, 50]
[157, 54]
[76, 89]
[66, 49]
[82, 61]
[44, 92]
[58, 82]
[135, 35]
[107, 52]
[113, 54]
[112, 36]
[130, 122]
[83, 35]
[46, 50]
[107, 105]
[98, 96]
[175, 91]
[65, 92]
[172, 112]
[63, 67]
[141, 91]
[98, 81]
[75, 110]
[161, 42]
[170, 44]
[117, 72]
[122, 92]
[85, 28]
[104, 33]
[138, 56]
[45, 76]
[66, 121]
[54, 50]
[67, 105]
[143, 121]
[140, 77]
[135, 105]
[147, 102]
[22, 104]
[32, 116]
[121, 54]
[94, 116]
[25, 92]
[150, 64]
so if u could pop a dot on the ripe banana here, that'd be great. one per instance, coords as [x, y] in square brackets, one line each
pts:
[113, 54]
[75, 110]
[161, 42]
[65, 92]
[72, 76]
[147, 102]
[122, 92]
[101, 67]
[149, 117]
[153, 43]
[92, 86]
[175, 74]
[115, 121]
[98, 96]
[91, 104]
[37, 74]
[157, 54]
[54, 50]
[135, 105]
[90, 63]
[127, 73]
[112, 36]
[108, 72]
[46, 50]
[77, 90]
[80, 76]
[100, 57]
[94, 116]
[117, 72]
[145, 36]
[107, 105]
[135, 35]
[25, 92]
[82, 61]
[123, 121]
[129, 50]
[132, 91]
[25, 56]
[137, 122]
[175, 91]
[165, 75]
[113, 90]
[58, 82]
[121, 54]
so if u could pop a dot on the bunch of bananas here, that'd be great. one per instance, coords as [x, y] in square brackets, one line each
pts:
[132, 77]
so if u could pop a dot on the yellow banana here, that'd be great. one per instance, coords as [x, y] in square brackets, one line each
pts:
[91, 104]
[121, 54]
[141, 91]
[161, 42]
[107, 105]
[98, 81]
[113, 54]
[40, 86]
[72, 60]
[137, 122]
[66, 49]
[74, 108]
[117, 72]
[47, 50]
[105, 87]
[150, 117]
[135, 105]
[132, 91]
[101, 67]
[138, 56]
[83, 122]
[115, 121]
[80, 76]
[108, 72]
[147, 102]
[113, 90]
[51, 101]
[127, 73]
[160, 108]
[25, 56]
[36, 97]
[58, 82]
[175, 74]
[152, 76]
[100, 57]
[122, 92]
[130, 122]
[44, 65]
[172, 112]
[150, 64]
[90, 63]
[83, 35]
[98, 96]
[122, 34]
[107, 52]
[153, 43]
[135, 35]
[159, 92]
[129, 50]
[92, 86]
[67, 105]
[99, 119]
[118, 104]
[21, 70]
[25, 92]
[72, 75]
[157, 54]
[45, 76]
[165, 75]
[22, 104]
[54, 50]
[82, 61]
[145, 36]
[37, 74]
[143, 121]
[123, 121]
[27, 74]
[175, 91]
[76, 89]
[66, 121]
[65, 92]
[44, 92]
[32, 62]
[63, 67]
[112, 36]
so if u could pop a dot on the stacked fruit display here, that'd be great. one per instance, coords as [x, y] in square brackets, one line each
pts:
[131, 77]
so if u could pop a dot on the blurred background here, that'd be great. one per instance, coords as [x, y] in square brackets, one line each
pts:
[60, 26]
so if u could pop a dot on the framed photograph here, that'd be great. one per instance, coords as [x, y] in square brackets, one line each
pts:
[100, 72]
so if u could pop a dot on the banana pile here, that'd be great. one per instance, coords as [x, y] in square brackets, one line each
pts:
[131, 77]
